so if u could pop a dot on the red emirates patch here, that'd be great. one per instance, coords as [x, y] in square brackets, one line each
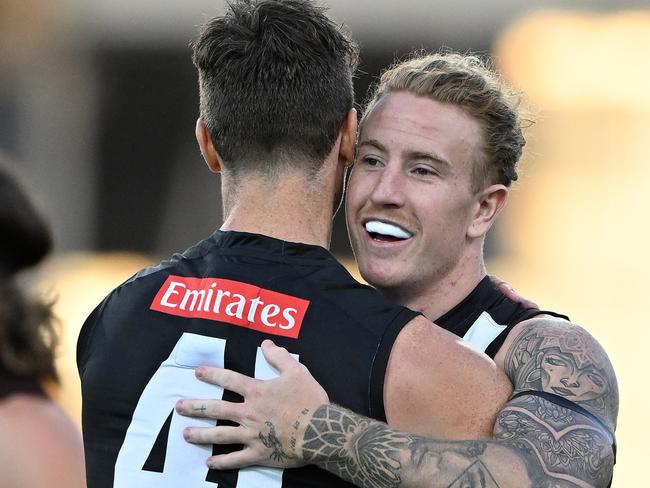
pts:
[233, 302]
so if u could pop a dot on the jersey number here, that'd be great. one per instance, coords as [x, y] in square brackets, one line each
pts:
[184, 463]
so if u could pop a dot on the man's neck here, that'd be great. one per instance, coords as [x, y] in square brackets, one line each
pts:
[288, 210]
[442, 294]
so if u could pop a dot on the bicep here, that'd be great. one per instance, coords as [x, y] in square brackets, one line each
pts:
[562, 359]
[437, 385]
[563, 413]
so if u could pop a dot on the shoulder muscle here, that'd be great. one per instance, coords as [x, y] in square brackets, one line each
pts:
[555, 356]
[437, 385]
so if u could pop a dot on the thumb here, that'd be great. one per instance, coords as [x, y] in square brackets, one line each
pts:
[278, 357]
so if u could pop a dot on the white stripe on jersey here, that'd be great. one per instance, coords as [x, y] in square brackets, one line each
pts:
[482, 332]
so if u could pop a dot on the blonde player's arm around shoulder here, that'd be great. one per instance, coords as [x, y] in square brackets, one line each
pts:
[555, 431]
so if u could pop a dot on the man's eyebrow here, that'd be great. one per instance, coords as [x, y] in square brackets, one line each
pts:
[374, 143]
[410, 154]
[427, 155]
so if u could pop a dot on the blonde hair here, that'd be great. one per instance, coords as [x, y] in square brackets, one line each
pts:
[470, 83]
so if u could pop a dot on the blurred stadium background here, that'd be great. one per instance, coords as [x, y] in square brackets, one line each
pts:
[98, 101]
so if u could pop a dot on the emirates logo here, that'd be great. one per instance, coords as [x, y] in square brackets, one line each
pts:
[233, 302]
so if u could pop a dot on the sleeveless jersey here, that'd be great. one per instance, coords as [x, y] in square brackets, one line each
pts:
[215, 304]
[486, 316]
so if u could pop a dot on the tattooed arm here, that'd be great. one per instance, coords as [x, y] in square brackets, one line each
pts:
[554, 432]
[537, 442]
[565, 402]
[371, 454]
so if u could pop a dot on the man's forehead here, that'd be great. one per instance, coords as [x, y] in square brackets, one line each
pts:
[405, 122]
[407, 107]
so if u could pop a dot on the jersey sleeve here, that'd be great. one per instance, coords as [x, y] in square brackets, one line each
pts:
[86, 334]
[380, 362]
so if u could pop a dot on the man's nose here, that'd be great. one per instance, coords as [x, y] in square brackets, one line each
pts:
[389, 188]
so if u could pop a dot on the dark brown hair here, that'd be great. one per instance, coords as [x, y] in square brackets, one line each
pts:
[27, 331]
[275, 81]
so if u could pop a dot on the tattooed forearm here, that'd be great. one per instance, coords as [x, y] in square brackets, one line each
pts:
[564, 360]
[449, 464]
[371, 454]
[354, 448]
[563, 451]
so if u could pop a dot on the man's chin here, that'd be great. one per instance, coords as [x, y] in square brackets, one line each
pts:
[385, 282]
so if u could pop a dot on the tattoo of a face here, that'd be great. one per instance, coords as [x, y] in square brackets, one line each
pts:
[457, 464]
[566, 361]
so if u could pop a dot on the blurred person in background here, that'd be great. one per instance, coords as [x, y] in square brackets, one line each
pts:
[438, 148]
[39, 445]
[277, 121]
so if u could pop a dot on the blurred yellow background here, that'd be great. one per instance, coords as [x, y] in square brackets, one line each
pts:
[577, 226]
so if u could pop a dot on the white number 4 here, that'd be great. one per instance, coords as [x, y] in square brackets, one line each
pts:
[184, 463]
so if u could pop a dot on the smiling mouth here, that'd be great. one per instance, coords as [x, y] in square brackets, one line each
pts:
[385, 232]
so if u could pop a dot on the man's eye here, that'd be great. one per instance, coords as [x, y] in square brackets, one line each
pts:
[370, 161]
[423, 171]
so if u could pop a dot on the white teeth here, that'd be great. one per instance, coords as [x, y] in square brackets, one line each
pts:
[376, 227]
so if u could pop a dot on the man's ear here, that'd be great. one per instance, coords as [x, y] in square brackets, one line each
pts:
[348, 138]
[209, 153]
[488, 205]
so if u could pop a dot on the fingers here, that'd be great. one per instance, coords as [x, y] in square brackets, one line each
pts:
[508, 291]
[278, 357]
[211, 409]
[225, 378]
[497, 281]
[216, 435]
[238, 459]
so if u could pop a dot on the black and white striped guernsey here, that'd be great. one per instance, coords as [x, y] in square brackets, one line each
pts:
[214, 304]
[486, 316]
